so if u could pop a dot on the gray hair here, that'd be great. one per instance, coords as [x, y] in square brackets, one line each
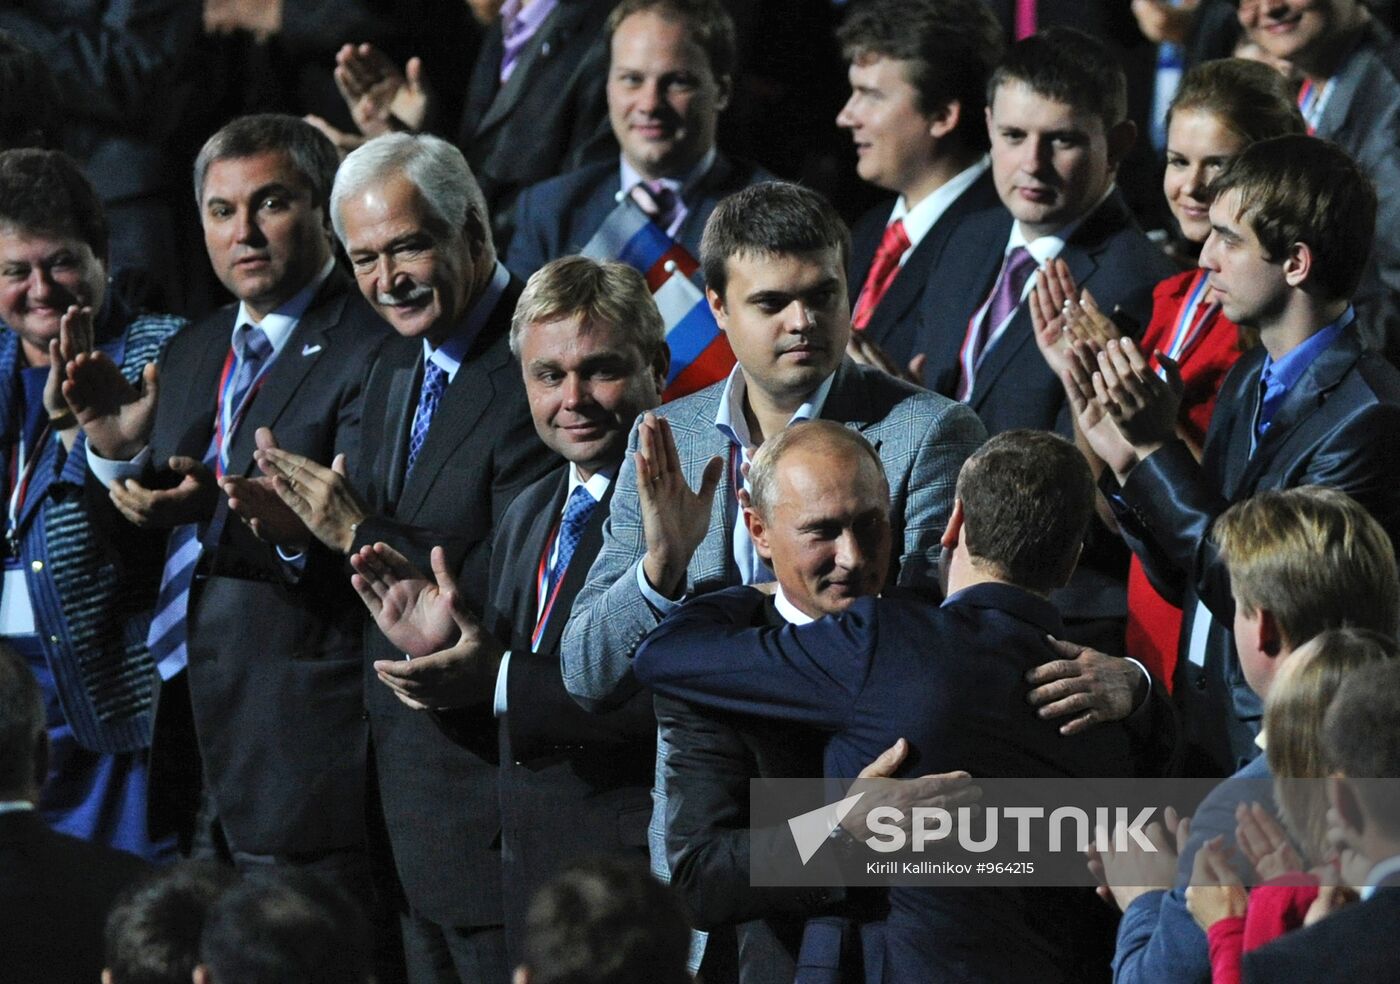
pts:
[21, 724]
[827, 436]
[310, 151]
[435, 167]
[610, 293]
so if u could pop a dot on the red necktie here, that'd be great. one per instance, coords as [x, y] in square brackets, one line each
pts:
[1025, 18]
[883, 269]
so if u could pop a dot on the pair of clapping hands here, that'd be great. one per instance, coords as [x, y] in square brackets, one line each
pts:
[1124, 409]
[1215, 890]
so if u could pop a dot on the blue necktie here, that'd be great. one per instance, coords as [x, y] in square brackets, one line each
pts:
[168, 633]
[434, 385]
[577, 511]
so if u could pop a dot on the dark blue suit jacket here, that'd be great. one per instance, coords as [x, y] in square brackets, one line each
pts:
[1356, 944]
[558, 217]
[1331, 429]
[1014, 387]
[894, 325]
[856, 677]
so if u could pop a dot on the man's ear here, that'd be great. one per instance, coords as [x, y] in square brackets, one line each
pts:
[1121, 137]
[952, 533]
[724, 86]
[945, 119]
[717, 308]
[758, 533]
[1297, 264]
[660, 367]
[1342, 796]
[1271, 640]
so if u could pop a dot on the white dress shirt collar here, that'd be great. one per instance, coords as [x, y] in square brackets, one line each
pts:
[681, 185]
[597, 486]
[278, 324]
[735, 426]
[919, 219]
[15, 806]
[788, 610]
[449, 355]
[1046, 248]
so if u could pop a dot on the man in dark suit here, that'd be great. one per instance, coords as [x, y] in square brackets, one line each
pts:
[451, 447]
[1304, 408]
[534, 105]
[1058, 132]
[918, 96]
[276, 699]
[848, 665]
[591, 343]
[1351, 96]
[1361, 739]
[55, 890]
[669, 78]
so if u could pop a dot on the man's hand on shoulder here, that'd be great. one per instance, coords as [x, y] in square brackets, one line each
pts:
[1087, 686]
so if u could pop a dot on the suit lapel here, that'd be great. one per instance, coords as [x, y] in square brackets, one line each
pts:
[707, 193]
[556, 29]
[462, 406]
[201, 392]
[304, 348]
[524, 596]
[1302, 401]
[588, 546]
[971, 272]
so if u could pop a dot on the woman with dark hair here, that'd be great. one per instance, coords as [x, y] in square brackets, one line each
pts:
[76, 614]
[1220, 109]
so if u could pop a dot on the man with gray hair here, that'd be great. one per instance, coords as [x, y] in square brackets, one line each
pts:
[451, 446]
[254, 632]
[590, 340]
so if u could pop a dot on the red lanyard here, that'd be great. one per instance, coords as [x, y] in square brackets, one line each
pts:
[541, 579]
[227, 419]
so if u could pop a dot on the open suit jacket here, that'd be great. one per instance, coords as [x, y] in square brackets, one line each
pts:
[439, 795]
[894, 323]
[558, 217]
[951, 680]
[91, 608]
[1013, 386]
[572, 782]
[1330, 430]
[548, 115]
[274, 654]
[55, 892]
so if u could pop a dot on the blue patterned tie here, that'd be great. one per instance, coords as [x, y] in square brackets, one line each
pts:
[434, 384]
[577, 512]
[168, 633]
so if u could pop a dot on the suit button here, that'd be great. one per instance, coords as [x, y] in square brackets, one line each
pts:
[53, 639]
[1200, 681]
[36, 566]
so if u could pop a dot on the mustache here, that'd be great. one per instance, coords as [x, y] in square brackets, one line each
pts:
[421, 292]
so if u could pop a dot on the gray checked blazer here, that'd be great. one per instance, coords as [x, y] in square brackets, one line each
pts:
[921, 437]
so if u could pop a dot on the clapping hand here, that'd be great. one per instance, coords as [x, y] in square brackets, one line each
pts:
[674, 518]
[1124, 875]
[413, 612]
[1215, 892]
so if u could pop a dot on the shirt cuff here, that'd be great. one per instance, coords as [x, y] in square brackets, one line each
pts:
[107, 471]
[663, 605]
[295, 559]
[498, 705]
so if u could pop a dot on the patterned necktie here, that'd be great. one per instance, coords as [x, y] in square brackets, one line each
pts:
[658, 201]
[577, 511]
[1006, 295]
[434, 385]
[168, 634]
[883, 269]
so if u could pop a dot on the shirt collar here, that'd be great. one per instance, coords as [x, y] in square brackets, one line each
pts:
[1284, 373]
[730, 419]
[788, 610]
[921, 218]
[1046, 248]
[681, 184]
[597, 486]
[15, 806]
[449, 355]
[1379, 873]
[278, 324]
